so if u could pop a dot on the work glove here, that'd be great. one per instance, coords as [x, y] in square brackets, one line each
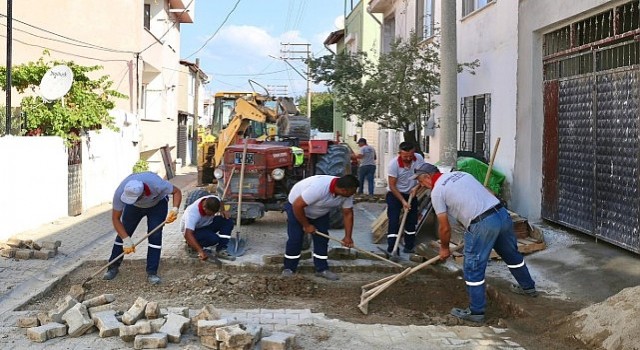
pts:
[173, 215]
[127, 246]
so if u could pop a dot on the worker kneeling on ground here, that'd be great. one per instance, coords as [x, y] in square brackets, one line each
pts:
[488, 226]
[310, 203]
[205, 225]
[139, 195]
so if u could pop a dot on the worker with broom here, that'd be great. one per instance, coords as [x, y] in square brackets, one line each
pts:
[142, 195]
[205, 225]
[310, 203]
[488, 226]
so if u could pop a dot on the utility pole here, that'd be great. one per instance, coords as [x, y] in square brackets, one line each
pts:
[288, 48]
[448, 84]
[194, 140]
[8, 74]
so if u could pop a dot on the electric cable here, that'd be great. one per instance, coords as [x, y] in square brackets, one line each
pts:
[217, 30]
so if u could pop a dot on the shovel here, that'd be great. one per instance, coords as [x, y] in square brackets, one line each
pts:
[237, 246]
[83, 285]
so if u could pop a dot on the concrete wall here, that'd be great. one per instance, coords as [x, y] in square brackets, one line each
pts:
[535, 18]
[494, 42]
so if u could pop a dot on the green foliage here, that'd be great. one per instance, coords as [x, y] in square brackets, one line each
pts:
[321, 110]
[140, 166]
[15, 120]
[85, 107]
[394, 92]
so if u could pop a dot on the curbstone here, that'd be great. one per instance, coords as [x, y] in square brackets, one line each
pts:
[207, 313]
[278, 341]
[150, 341]
[209, 341]
[174, 327]
[96, 309]
[135, 312]
[156, 324]
[62, 306]
[208, 327]
[78, 320]
[107, 323]
[8, 253]
[128, 333]
[24, 254]
[45, 332]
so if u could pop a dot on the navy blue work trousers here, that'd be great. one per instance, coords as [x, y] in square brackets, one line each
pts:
[394, 209]
[296, 236]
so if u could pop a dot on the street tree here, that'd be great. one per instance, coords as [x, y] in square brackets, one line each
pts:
[394, 92]
[321, 110]
[85, 107]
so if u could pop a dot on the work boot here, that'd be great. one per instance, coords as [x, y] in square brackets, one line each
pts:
[287, 273]
[153, 279]
[224, 255]
[392, 257]
[110, 274]
[408, 251]
[328, 275]
[465, 314]
[514, 288]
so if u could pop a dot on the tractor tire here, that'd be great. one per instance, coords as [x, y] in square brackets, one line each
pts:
[297, 126]
[334, 162]
[195, 195]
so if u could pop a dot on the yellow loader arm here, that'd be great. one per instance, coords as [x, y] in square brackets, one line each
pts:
[244, 112]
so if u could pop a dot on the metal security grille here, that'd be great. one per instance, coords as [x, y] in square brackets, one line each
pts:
[181, 151]
[591, 142]
[250, 185]
[74, 179]
[474, 124]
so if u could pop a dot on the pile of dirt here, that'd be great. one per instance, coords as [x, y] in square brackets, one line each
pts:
[611, 324]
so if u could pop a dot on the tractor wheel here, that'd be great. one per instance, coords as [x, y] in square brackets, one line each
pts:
[294, 126]
[194, 196]
[334, 162]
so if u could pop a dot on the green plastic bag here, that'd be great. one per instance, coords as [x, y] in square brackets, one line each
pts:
[478, 169]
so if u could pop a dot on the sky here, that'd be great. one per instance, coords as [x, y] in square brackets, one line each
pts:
[254, 31]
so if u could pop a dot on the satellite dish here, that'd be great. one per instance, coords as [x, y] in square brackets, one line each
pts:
[56, 82]
[339, 22]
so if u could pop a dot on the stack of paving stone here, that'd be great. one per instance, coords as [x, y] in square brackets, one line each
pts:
[147, 325]
[28, 249]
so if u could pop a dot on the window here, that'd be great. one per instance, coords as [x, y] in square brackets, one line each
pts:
[388, 33]
[147, 16]
[469, 6]
[425, 21]
[474, 124]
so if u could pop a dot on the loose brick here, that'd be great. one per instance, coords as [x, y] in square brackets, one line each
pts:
[209, 341]
[44, 318]
[234, 336]
[99, 300]
[256, 333]
[15, 243]
[178, 310]
[61, 307]
[135, 312]
[156, 324]
[107, 323]
[50, 245]
[78, 320]
[40, 255]
[128, 333]
[174, 327]
[24, 254]
[208, 313]
[8, 252]
[223, 346]
[150, 341]
[152, 310]
[28, 322]
[96, 309]
[45, 332]
[278, 341]
[77, 292]
[206, 327]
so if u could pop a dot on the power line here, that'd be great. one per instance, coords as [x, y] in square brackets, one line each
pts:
[93, 46]
[217, 30]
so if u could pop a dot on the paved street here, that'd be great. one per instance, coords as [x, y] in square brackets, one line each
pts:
[90, 236]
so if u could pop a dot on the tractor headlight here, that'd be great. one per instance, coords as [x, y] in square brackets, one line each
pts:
[277, 174]
[218, 173]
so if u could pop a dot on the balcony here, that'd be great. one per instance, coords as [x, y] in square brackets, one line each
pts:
[380, 6]
[179, 11]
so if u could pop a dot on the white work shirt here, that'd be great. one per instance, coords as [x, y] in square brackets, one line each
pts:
[317, 192]
[405, 183]
[192, 218]
[462, 196]
[155, 190]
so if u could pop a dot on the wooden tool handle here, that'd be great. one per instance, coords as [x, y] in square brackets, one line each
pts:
[359, 249]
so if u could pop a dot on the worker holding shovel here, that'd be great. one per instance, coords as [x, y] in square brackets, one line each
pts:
[310, 203]
[142, 195]
[205, 225]
[488, 226]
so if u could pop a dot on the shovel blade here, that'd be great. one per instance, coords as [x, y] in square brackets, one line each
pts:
[236, 246]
